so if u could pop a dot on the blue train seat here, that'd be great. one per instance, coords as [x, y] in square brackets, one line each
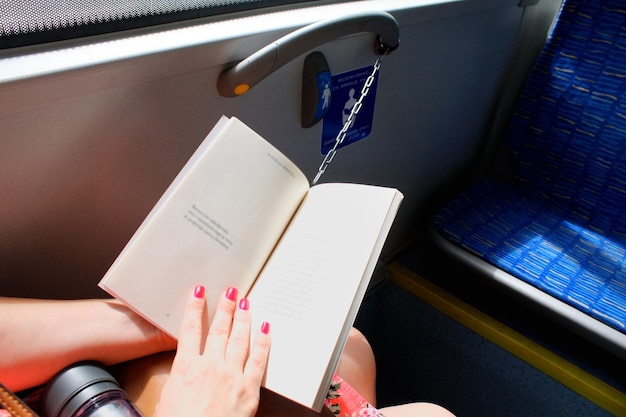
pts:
[556, 230]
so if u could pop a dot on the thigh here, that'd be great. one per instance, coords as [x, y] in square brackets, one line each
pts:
[143, 380]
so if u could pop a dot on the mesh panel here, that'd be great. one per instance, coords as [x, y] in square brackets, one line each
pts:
[24, 22]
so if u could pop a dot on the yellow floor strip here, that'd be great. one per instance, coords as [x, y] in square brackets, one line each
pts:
[581, 382]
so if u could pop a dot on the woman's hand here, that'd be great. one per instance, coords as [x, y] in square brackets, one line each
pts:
[220, 375]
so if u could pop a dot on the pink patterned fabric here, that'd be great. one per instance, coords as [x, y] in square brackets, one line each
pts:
[343, 401]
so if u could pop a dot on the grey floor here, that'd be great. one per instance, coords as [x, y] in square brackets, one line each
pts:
[423, 355]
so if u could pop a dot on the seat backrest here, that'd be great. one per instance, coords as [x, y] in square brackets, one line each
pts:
[568, 132]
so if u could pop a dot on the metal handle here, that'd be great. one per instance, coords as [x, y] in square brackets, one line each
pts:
[239, 79]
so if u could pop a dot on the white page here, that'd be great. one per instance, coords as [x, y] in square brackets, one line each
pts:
[313, 281]
[216, 225]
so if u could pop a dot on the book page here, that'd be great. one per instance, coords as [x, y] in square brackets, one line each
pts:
[314, 282]
[215, 225]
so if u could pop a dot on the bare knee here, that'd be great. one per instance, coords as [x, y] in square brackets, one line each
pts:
[416, 410]
[357, 365]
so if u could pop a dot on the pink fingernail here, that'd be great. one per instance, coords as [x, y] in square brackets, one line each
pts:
[244, 304]
[265, 327]
[198, 292]
[231, 293]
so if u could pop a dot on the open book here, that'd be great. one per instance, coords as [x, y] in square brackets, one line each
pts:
[241, 214]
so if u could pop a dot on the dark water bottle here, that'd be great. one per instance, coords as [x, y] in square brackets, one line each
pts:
[86, 390]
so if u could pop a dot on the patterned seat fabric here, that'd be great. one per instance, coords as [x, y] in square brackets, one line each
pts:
[560, 225]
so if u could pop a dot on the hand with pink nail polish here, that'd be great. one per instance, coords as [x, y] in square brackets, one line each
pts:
[218, 374]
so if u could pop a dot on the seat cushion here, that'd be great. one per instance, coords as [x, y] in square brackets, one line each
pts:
[553, 246]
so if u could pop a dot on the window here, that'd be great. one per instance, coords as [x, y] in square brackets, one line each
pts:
[27, 22]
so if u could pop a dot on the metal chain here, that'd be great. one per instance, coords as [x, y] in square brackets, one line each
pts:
[350, 120]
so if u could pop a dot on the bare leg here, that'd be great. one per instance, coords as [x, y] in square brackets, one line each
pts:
[416, 410]
[144, 379]
[358, 367]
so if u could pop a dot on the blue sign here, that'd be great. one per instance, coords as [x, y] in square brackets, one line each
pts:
[346, 90]
[324, 84]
